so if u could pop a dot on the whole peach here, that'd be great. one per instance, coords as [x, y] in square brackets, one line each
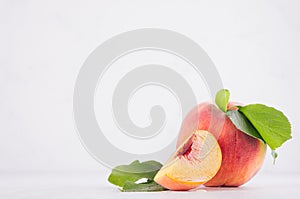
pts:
[242, 155]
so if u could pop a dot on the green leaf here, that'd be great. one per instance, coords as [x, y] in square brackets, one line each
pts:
[243, 124]
[134, 172]
[222, 98]
[272, 124]
[142, 187]
[274, 155]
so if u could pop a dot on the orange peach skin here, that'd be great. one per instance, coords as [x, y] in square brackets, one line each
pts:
[242, 155]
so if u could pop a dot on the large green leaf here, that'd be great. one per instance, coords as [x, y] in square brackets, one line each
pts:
[272, 124]
[242, 123]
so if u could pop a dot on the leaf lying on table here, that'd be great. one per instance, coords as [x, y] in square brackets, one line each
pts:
[142, 187]
[125, 176]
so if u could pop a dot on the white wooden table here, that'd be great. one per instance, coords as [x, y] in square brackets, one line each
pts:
[43, 185]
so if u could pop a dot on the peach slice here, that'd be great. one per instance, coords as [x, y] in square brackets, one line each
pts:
[195, 162]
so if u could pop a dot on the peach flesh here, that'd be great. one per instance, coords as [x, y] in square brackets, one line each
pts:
[242, 155]
[195, 162]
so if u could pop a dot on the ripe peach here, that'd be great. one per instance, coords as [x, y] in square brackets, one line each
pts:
[242, 155]
[195, 162]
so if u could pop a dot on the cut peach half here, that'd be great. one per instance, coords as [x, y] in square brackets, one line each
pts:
[194, 163]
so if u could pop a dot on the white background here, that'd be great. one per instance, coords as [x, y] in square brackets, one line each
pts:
[255, 46]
